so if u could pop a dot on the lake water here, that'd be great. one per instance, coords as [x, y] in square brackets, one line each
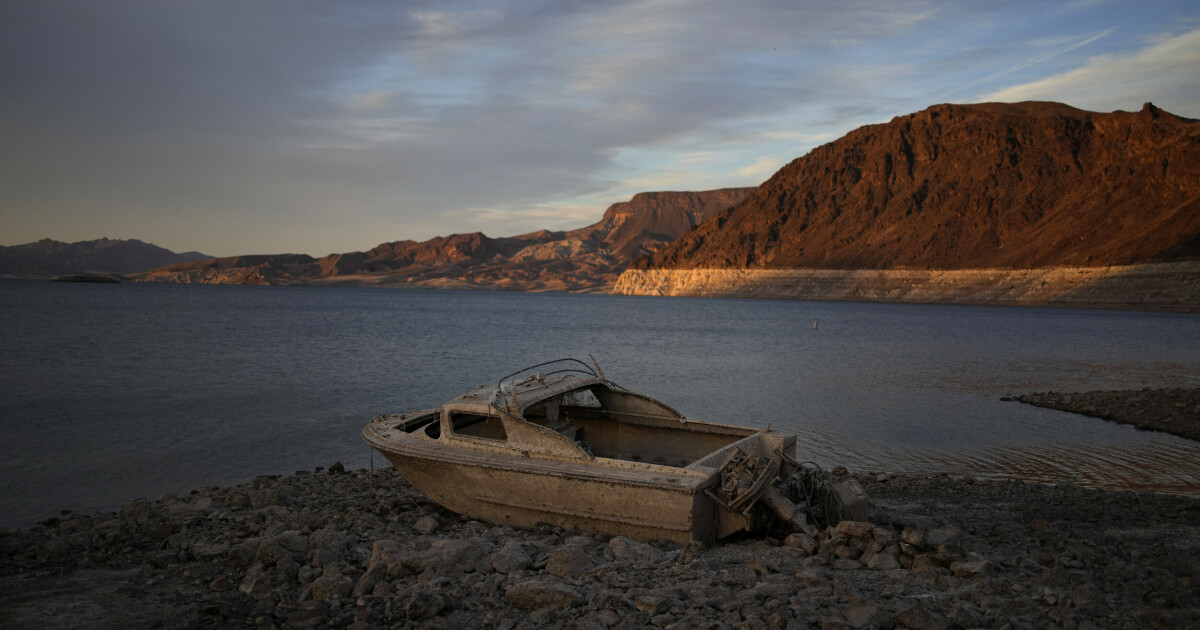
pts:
[113, 392]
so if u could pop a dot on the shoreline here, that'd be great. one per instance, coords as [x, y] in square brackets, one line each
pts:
[1174, 410]
[1171, 287]
[355, 550]
[1157, 287]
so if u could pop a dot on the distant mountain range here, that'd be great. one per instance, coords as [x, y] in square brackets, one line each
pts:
[585, 259]
[996, 186]
[47, 258]
[993, 185]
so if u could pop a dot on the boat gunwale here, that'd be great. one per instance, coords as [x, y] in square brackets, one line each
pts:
[599, 468]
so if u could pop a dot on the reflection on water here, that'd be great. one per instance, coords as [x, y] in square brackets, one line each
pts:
[120, 391]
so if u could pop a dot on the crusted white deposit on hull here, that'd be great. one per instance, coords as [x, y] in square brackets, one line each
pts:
[570, 448]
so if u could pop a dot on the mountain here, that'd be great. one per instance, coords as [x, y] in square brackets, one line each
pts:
[585, 259]
[992, 185]
[47, 257]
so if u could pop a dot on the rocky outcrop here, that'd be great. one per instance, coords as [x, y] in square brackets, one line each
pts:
[47, 258]
[1022, 203]
[586, 259]
[1154, 286]
[993, 185]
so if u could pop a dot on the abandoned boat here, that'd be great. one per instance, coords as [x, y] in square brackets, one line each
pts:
[567, 447]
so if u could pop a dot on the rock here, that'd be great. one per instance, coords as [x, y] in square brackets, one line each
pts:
[651, 603]
[332, 587]
[925, 562]
[802, 541]
[855, 529]
[138, 511]
[941, 536]
[629, 550]
[289, 544]
[917, 617]
[386, 561]
[309, 614]
[741, 577]
[511, 558]
[427, 524]
[972, 568]
[847, 552]
[370, 568]
[423, 604]
[862, 615]
[913, 538]
[207, 552]
[256, 581]
[535, 594]
[568, 561]
[307, 573]
[883, 562]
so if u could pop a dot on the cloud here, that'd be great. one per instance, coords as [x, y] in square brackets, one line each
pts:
[316, 126]
[761, 170]
[1166, 72]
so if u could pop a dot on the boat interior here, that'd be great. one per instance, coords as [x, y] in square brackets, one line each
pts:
[605, 423]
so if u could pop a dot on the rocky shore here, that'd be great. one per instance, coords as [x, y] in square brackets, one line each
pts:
[1170, 410]
[355, 550]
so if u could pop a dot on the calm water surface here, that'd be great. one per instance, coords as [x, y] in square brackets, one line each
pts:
[113, 392]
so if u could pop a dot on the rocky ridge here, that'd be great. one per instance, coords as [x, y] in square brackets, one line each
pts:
[991, 185]
[360, 550]
[586, 259]
[47, 258]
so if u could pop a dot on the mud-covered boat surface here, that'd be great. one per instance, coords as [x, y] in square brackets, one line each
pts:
[565, 446]
[352, 551]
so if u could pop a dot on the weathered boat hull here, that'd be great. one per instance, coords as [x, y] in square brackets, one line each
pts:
[588, 503]
[573, 449]
[643, 502]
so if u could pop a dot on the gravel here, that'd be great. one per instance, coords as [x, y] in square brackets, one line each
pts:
[1170, 410]
[356, 550]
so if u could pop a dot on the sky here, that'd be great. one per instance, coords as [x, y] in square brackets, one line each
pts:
[320, 127]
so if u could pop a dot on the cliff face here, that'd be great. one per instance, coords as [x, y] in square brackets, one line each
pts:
[105, 255]
[970, 186]
[586, 259]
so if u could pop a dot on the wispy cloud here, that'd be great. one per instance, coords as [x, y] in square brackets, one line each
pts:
[1167, 72]
[318, 126]
[1074, 43]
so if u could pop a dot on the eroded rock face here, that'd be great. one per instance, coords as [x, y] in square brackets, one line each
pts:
[1171, 286]
[970, 186]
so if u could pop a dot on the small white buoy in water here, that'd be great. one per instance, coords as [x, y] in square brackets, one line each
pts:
[814, 324]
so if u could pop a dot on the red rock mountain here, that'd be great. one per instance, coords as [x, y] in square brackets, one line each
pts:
[970, 186]
[586, 259]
